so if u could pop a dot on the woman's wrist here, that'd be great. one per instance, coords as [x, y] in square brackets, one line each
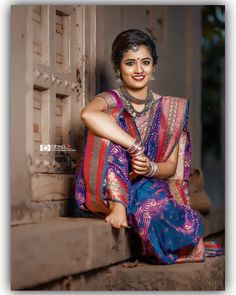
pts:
[136, 149]
[149, 167]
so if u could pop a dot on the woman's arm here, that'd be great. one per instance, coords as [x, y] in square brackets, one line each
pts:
[95, 118]
[166, 169]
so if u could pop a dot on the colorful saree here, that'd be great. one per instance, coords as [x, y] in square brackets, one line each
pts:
[167, 230]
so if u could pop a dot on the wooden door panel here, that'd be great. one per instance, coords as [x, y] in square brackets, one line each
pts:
[62, 41]
[40, 33]
[53, 188]
[58, 94]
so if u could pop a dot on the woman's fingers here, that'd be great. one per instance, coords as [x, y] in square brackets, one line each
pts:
[141, 158]
[142, 164]
[139, 163]
[137, 172]
[139, 168]
[140, 171]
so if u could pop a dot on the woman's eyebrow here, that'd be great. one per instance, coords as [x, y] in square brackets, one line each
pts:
[132, 59]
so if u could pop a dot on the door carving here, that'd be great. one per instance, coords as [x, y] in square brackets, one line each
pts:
[57, 75]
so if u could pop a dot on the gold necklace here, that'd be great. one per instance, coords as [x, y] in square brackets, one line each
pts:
[133, 99]
[129, 107]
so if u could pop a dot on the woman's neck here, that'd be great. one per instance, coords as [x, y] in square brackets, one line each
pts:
[138, 93]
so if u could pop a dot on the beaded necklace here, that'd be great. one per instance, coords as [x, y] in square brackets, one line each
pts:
[127, 99]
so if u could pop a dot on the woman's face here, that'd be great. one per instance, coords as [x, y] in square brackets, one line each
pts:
[136, 67]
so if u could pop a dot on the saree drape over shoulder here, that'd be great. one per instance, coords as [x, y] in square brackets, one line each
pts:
[167, 229]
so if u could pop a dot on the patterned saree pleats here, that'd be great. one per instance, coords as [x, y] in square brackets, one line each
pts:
[93, 173]
[192, 254]
[93, 170]
[212, 249]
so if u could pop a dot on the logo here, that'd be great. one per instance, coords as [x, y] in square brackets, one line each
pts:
[45, 148]
[56, 148]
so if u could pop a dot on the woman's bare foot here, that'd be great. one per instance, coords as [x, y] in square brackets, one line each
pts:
[117, 218]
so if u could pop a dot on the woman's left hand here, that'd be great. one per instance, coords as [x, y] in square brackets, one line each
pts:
[140, 165]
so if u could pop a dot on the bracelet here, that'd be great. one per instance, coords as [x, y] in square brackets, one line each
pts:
[154, 169]
[136, 149]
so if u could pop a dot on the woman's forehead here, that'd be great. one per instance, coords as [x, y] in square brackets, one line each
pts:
[141, 52]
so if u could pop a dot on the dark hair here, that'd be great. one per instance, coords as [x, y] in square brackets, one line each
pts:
[125, 40]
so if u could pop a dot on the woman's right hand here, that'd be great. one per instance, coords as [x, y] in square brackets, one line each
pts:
[140, 165]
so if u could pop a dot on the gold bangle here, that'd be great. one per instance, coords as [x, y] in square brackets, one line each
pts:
[136, 149]
[154, 169]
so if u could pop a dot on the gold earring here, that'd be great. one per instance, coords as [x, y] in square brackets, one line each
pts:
[117, 77]
[153, 77]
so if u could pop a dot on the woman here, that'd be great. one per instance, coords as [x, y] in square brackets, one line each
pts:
[136, 163]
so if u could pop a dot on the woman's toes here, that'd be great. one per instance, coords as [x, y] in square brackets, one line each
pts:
[124, 224]
[116, 224]
[107, 219]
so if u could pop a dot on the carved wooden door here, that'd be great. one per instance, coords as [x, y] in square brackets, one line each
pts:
[56, 73]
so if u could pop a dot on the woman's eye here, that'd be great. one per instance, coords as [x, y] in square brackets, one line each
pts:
[129, 63]
[146, 62]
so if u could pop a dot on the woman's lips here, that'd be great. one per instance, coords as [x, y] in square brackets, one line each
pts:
[138, 78]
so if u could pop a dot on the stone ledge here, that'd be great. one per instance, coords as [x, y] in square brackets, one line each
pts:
[204, 276]
[59, 247]
[49, 250]
[208, 275]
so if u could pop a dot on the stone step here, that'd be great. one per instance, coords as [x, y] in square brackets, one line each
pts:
[52, 249]
[49, 250]
[208, 275]
[203, 276]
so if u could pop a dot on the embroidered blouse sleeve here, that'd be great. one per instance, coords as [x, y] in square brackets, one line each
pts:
[110, 100]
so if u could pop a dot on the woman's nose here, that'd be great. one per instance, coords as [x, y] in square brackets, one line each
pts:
[138, 68]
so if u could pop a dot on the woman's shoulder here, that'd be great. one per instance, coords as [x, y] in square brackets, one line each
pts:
[107, 93]
[110, 96]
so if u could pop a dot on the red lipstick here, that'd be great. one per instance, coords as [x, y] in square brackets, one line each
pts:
[138, 77]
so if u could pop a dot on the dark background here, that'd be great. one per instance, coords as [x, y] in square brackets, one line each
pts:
[213, 100]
